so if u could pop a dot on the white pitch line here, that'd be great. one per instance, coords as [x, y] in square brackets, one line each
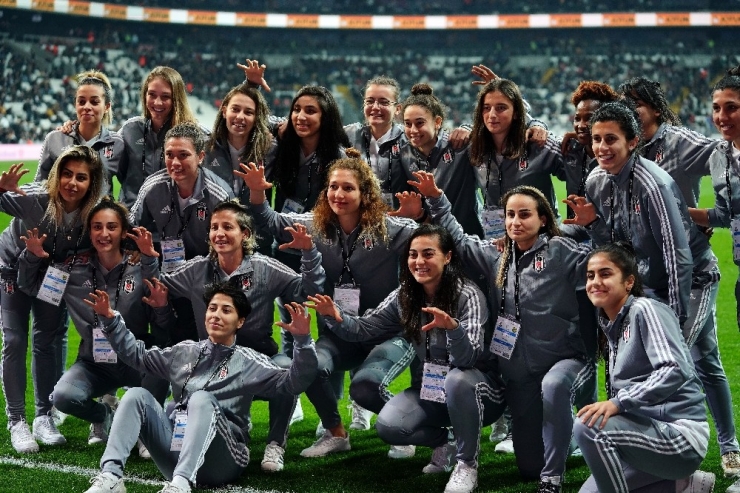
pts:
[88, 473]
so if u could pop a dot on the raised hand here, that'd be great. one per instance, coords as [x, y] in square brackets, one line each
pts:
[255, 73]
[143, 239]
[100, 303]
[441, 319]
[409, 205]
[324, 305]
[425, 184]
[537, 134]
[253, 176]
[585, 212]
[158, 293]
[67, 127]
[35, 243]
[484, 73]
[301, 239]
[9, 179]
[300, 320]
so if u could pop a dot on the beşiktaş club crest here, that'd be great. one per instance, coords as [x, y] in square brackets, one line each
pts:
[659, 154]
[223, 372]
[448, 156]
[626, 333]
[539, 262]
[201, 211]
[396, 149]
[637, 206]
[9, 286]
[246, 282]
[523, 163]
[129, 285]
[108, 153]
[368, 243]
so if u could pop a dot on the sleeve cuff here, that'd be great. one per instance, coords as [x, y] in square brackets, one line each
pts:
[302, 341]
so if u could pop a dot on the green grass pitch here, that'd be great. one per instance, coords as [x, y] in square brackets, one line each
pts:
[366, 468]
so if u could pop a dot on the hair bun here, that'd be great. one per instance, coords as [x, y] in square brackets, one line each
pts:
[353, 153]
[422, 88]
[626, 245]
[734, 71]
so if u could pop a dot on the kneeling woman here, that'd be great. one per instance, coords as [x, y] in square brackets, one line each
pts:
[213, 381]
[443, 315]
[653, 429]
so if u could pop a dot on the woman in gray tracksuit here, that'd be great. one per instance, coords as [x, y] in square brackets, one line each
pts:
[59, 209]
[107, 267]
[653, 429]
[204, 438]
[360, 248]
[443, 316]
[262, 279]
[676, 262]
[533, 283]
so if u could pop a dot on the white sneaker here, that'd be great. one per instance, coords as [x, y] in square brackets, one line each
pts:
[360, 417]
[731, 464]
[320, 430]
[106, 482]
[402, 451]
[58, 416]
[297, 413]
[22, 439]
[45, 432]
[171, 488]
[464, 479]
[443, 459]
[273, 459]
[499, 430]
[327, 444]
[734, 487]
[99, 431]
[143, 451]
[505, 446]
[699, 482]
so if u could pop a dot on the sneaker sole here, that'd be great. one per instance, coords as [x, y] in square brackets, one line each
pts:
[359, 427]
[309, 454]
[59, 441]
[271, 467]
[31, 450]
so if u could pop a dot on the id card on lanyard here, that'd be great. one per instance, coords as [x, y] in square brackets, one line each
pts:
[173, 255]
[433, 381]
[292, 206]
[178, 431]
[347, 297]
[493, 223]
[102, 350]
[505, 336]
[735, 229]
[53, 286]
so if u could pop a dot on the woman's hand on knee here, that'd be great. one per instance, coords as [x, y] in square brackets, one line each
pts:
[590, 414]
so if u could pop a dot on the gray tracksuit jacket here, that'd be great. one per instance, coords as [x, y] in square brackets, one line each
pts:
[652, 222]
[577, 165]
[392, 179]
[462, 347]
[684, 154]
[29, 210]
[261, 278]
[549, 274]
[247, 373]
[727, 202]
[306, 191]
[158, 204]
[453, 173]
[650, 368]
[109, 146]
[124, 285]
[373, 263]
[535, 168]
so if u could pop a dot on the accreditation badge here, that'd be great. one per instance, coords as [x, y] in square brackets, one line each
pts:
[173, 255]
[433, 381]
[347, 297]
[102, 350]
[735, 229]
[504, 337]
[493, 223]
[178, 431]
[53, 286]
[292, 206]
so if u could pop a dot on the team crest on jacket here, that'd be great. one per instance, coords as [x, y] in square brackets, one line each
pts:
[8, 286]
[539, 262]
[223, 372]
[626, 333]
[368, 243]
[396, 149]
[246, 282]
[523, 163]
[108, 152]
[637, 207]
[201, 211]
[659, 154]
[129, 284]
[448, 156]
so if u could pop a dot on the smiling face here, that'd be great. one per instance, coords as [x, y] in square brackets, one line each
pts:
[306, 117]
[159, 101]
[726, 114]
[605, 285]
[611, 147]
[240, 114]
[106, 231]
[90, 105]
[584, 111]
[427, 262]
[226, 236]
[377, 114]
[222, 320]
[182, 162]
[522, 222]
[74, 181]
[343, 193]
[497, 113]
[421, 127]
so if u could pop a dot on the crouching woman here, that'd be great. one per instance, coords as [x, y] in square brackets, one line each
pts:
[204, 438]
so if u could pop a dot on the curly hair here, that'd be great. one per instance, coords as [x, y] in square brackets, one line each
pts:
[731, 80]
[649, 91]
[597, 91]
[259, 140]
[332, 138]
[243, 220]
[623, 114]
[481, 140]
[55, 210]
[180, 108]
[190, 131]
[543, 209]
[411, 296]
[372, 206]
[98, 78]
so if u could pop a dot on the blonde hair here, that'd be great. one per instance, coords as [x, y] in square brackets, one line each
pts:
[98, 78]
